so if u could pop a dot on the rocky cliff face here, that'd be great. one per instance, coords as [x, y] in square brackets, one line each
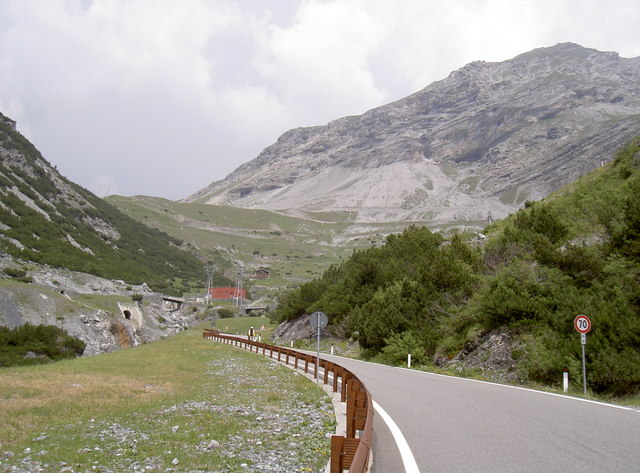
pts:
[481, 141]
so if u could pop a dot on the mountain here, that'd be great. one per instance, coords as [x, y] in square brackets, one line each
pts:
[478, 143]
[503, 306]
[47, 219]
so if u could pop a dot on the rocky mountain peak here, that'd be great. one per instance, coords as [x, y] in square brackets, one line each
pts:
[479, 142]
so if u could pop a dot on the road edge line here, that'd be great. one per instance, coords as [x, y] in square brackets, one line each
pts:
[410, 465]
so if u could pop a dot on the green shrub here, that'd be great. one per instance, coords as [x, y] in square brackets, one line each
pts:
[15, 273]
[574, 253]
[399, 345]
[225, 313]
[35, 344]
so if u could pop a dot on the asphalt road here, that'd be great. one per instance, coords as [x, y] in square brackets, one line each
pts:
[457, 425]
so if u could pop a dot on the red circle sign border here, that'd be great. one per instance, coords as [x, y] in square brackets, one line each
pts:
[582, 317]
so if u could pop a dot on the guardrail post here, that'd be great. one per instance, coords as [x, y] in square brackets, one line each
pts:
[343, 451]
[337, 441]
[336, 375]
[356, 407]
[346, 376]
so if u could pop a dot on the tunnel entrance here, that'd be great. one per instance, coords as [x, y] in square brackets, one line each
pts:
[132, 313]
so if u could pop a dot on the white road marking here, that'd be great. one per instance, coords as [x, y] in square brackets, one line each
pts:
[410, 465]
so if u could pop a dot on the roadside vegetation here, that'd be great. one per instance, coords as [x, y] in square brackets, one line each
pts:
[184, 404]
[575, 252]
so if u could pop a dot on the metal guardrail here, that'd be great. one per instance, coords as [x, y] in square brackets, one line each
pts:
[349, 452]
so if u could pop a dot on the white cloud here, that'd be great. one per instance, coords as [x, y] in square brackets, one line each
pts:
[319, 65]
[164, 97]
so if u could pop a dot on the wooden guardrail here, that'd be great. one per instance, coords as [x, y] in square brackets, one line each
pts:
[348, 452]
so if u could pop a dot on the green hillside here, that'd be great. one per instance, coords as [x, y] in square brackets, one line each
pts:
[576, 252]
[47, 219]
[294, 249]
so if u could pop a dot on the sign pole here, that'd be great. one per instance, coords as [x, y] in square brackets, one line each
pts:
[582, 324]
[318, 351]
[584, 364]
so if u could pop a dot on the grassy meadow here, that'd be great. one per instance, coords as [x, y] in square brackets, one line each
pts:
[184, 403]
[294, 248]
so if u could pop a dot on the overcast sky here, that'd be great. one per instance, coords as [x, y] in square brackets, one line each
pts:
[163, 97]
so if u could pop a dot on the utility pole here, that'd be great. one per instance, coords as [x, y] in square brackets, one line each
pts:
[239, 288]
[210, 270]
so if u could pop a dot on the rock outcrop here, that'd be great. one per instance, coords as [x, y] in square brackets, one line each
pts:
[58, 297]
[478, 143]
[492, 354]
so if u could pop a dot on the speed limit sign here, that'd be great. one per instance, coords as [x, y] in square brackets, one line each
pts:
[582, 323]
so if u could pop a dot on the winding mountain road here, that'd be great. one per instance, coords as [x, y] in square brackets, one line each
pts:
[458, 425]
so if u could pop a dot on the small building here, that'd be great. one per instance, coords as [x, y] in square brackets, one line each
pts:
[260, 274]
[227, 293]
[256, 310]
[172, 303]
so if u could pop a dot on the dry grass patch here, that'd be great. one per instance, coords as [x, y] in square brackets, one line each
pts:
[71, 391]
[33, 398]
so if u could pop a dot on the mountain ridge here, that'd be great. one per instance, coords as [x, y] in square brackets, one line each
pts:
[477, 143]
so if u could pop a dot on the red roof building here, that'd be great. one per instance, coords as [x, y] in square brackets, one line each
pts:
[227, 293]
